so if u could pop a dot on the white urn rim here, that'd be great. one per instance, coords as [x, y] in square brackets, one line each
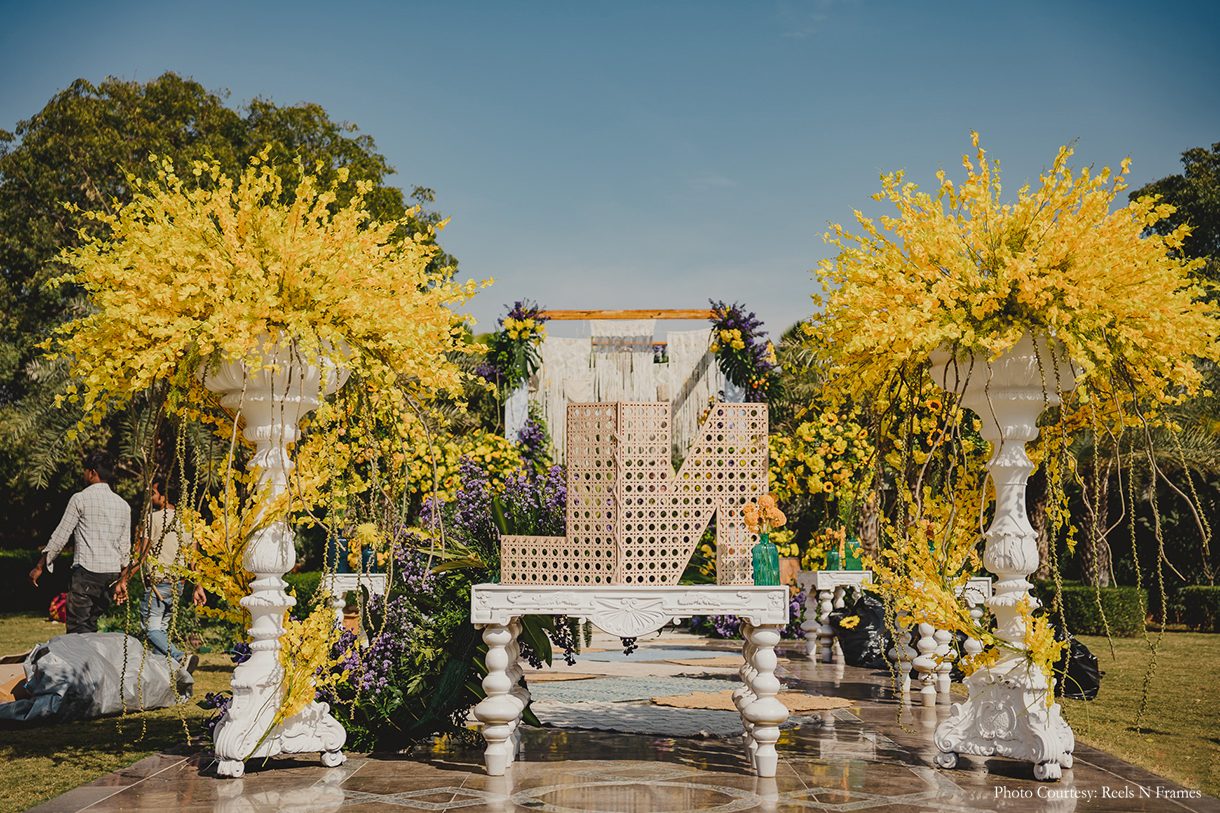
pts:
[225, 375]
[1032, 363]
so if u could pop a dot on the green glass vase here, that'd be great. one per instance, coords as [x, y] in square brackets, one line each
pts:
[766, 562]
[854, 555]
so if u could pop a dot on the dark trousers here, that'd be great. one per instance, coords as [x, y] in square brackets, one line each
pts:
[89, 595]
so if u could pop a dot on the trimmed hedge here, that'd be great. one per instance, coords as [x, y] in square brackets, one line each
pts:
[1201, 607]
[305, 587]
[1124, 611]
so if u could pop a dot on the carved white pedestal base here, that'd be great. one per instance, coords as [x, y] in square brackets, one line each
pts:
[1007, 713]
[830, 587]
[629, 612]
[272, 400]
[1007, 716]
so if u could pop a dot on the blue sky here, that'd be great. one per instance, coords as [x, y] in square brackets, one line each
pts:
[656, 154]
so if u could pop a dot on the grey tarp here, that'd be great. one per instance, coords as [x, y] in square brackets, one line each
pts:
[86, 675]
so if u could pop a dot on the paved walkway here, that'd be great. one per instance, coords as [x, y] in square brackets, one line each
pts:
[846, 760]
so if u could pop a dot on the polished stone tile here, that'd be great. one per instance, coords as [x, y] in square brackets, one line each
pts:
[861, 758]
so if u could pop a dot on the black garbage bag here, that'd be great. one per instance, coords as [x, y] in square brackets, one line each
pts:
[1076, 674]
[865, 643]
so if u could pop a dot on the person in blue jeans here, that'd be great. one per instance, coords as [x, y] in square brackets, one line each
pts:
[162, 544]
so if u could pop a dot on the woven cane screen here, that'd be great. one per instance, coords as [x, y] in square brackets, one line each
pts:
[630, 519]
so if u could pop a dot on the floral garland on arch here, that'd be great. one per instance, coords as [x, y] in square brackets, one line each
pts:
[958, 270]
[200, 269]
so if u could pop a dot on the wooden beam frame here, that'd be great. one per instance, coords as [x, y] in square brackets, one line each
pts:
[701, 314]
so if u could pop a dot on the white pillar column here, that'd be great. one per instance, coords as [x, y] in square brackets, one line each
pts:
[1007, 713]
[272, 401]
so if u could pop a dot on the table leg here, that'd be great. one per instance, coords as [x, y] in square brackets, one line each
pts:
[902, 654]
[744, 695]
[925, 664]
[812, 625]
[944, 651]
[840, 593]
[519, 693]
[766, 712]
[499, 710]
[825, 631]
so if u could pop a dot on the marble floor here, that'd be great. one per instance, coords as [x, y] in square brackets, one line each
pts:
[860, 758]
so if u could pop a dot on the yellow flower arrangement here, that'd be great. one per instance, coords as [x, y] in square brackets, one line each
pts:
[188, 274]
[785, 542]
[959, 270]
[826, 539]
[963, 270]
[525, 329]
[828, 457]
[198, 271]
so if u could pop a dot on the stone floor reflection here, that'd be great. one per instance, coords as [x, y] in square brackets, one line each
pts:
[863, 758]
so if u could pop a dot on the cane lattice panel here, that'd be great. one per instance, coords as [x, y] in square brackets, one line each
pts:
[630, 519]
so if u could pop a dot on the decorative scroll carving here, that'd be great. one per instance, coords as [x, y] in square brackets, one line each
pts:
[626, 610]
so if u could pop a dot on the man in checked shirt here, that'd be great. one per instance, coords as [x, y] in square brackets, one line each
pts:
[101, 522]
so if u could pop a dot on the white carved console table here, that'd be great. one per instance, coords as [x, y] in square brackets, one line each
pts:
[830, 587]
[629, 611]
[337, 585]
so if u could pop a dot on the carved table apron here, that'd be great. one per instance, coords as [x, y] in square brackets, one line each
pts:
[629, 612]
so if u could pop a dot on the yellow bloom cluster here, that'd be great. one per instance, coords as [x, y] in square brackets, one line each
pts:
[829, 456]
[305, 657]
[785, 542]
[527, 329]
[190, 273]
[927, 421]
[826, 539]
[957, 268]
[367, 537]
[729, 338]
[497, 456]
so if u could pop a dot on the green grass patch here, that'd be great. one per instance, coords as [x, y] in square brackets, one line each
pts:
[1179, 737]
[38, 764]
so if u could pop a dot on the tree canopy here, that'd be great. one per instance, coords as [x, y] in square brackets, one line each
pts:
[81, 149]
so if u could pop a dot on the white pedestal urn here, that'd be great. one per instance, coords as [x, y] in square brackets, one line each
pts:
[1008, 713]
[272, 402]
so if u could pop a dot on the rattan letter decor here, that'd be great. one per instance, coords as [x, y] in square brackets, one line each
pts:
[631, 520]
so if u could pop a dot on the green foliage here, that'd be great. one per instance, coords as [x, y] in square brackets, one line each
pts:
[1201, 607]
[1124, 608]
[304, 586]
[1196, 194]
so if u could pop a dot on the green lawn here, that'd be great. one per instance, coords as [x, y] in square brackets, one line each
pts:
[40, 763]
[1179, 737]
